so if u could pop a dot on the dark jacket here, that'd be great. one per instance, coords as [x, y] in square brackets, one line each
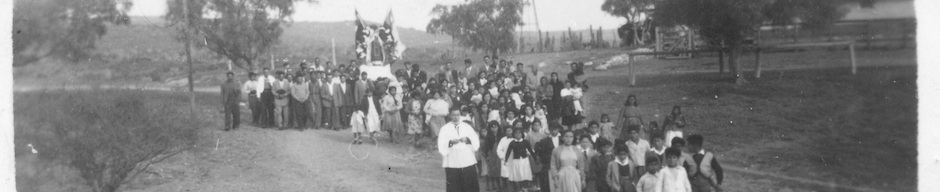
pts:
[543, 150]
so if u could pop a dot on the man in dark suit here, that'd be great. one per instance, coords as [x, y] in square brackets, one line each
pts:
[448, 73]
[339, 101]
[362, 85]
[350, 98]
[417, 76]
[469, 70]
[316, 90]
[405, 72]
[543, 150]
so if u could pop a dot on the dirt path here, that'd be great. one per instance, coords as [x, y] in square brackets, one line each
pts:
[366, 167]
[254, 159]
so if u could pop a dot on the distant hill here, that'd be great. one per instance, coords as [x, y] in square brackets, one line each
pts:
[154, 34]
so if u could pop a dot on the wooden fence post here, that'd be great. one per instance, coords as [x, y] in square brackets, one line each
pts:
[868, 35]
[632, 70]
[757, 55]
[852, 55]
[659, 41]
[721, 61]
[757, 62]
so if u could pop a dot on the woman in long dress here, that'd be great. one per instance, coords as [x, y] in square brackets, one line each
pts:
[415, 117]
[391, 117]
[373, 121]
[630, 115]
[566, 172]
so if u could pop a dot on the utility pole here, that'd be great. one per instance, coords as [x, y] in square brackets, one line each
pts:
[537, 28]
[189, 57]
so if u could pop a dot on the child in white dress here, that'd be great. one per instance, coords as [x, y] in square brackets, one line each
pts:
[357, 122]
[517, 160]
[577, 93]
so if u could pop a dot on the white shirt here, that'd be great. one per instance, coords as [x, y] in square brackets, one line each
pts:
[257, 86]
[594, 137]
[436, 107]
[623, 162]
[565, 92]
[342, 84]
[555, 141]
[517, 99]
[658, 152]
[638, 151]
[675, 179]
[650, 183]
[502, 147]
[577, 93]
[459, 155]
[511, 121]
[493, 116]
[269, 79]
[330, 87]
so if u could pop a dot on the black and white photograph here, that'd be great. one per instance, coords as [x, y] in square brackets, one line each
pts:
[469, 95]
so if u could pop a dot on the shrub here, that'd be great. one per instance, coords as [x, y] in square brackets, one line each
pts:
[106, 136]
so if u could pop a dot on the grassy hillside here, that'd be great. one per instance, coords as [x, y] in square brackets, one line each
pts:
[145, 51]
[148, 35]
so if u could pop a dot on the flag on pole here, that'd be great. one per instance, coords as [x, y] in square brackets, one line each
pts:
[396, 47]
[362, 34]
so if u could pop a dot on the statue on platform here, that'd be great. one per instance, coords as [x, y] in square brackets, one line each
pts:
[378, 45]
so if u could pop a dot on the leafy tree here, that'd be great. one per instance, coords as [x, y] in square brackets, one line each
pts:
[727, 23]
[241, 30]
[62, 28]
[479, 24]
[635, 11]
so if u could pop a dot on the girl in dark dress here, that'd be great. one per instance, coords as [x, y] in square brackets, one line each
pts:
[517, 158]
[493, 165]
[556, 103]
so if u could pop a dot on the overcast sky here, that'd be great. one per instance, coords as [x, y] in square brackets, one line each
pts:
[553, 14]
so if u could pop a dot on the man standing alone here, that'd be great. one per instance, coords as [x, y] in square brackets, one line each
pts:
[458, 143]
[230, 96]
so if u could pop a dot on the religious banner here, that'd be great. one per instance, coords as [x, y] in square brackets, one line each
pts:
[376, 44]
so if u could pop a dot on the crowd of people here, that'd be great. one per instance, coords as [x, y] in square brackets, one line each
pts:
[516, 129]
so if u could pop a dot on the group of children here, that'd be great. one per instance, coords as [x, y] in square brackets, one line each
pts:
[611, 162]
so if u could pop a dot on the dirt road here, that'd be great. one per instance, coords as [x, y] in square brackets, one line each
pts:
[253, 159]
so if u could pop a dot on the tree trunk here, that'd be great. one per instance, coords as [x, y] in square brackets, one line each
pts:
[494, 52]
[733, 60]
[251, 66]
